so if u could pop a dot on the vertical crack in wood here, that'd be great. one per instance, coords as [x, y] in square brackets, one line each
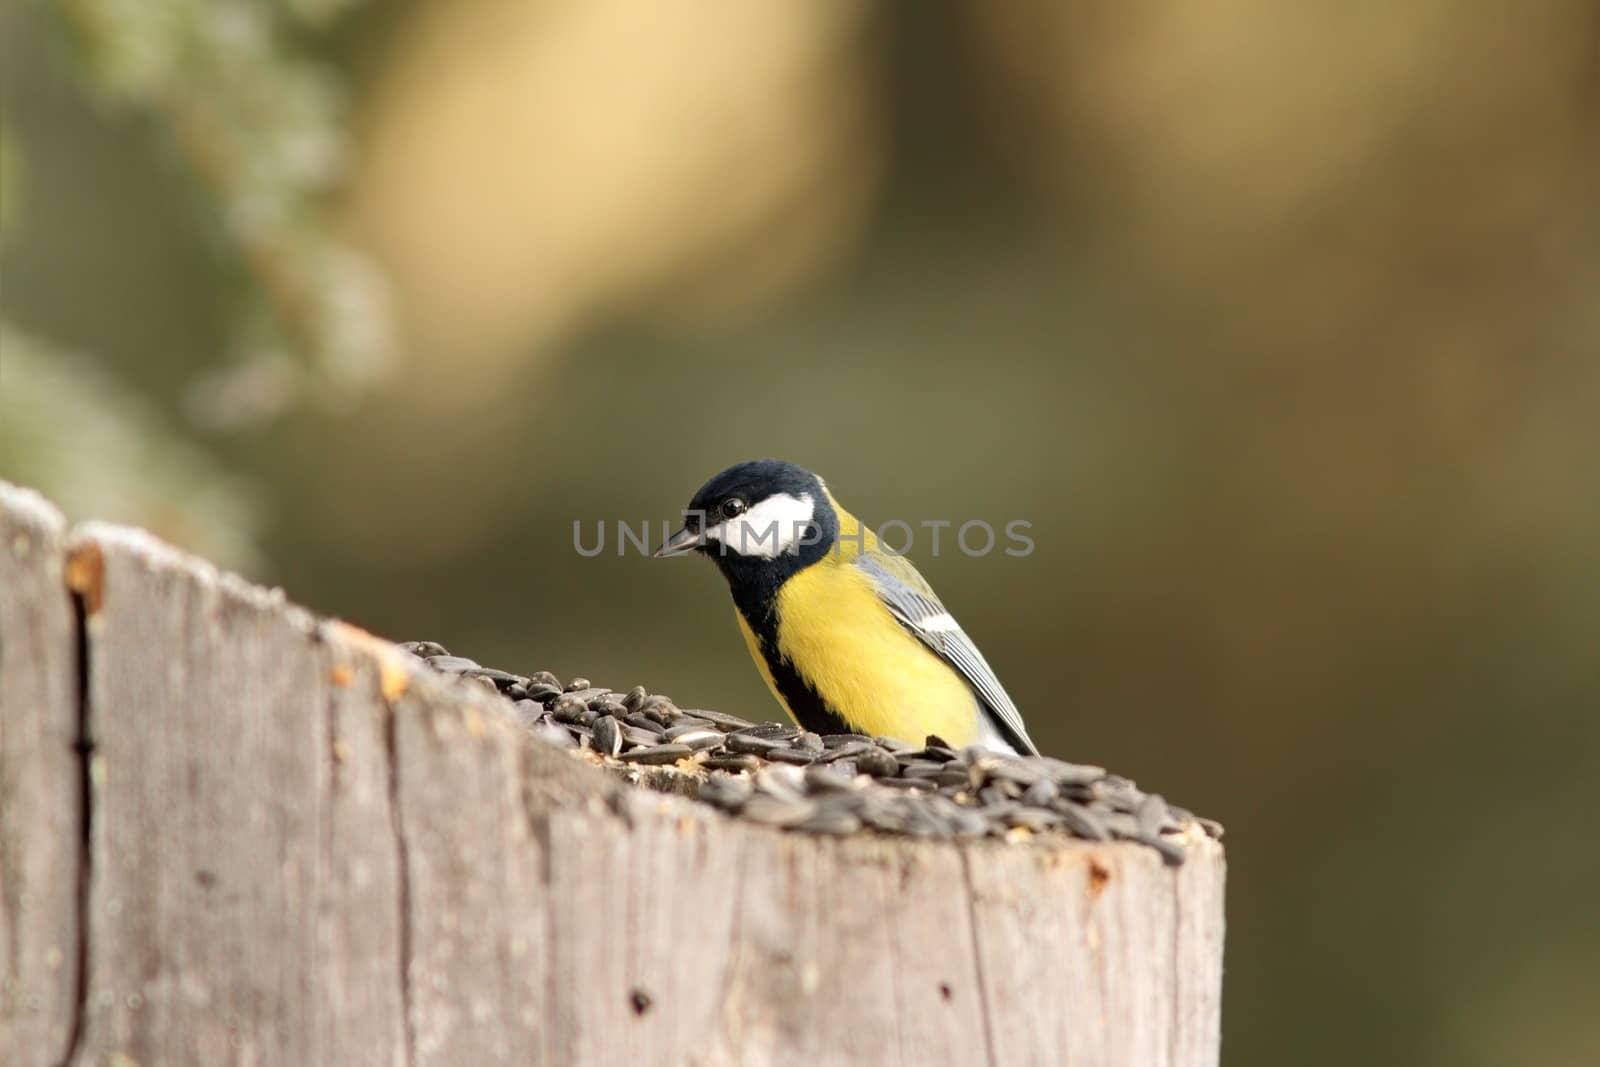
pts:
[541, 834]
[402, 879]
[83, 750]
[977, 953]
[328, 846]
[552, 930]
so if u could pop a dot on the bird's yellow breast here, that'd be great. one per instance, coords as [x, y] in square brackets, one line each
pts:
[842, 640]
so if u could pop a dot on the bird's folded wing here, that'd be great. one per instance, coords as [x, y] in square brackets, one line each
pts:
[912, 602]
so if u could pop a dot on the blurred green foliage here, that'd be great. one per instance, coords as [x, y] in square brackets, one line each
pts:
[70, 426]
[262, 131]
[1280, 327]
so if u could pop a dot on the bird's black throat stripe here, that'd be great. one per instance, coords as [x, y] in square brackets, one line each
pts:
[755, 595]
[810, 711]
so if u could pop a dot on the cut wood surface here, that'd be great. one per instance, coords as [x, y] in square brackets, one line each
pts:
[304, 848]
[41, 786]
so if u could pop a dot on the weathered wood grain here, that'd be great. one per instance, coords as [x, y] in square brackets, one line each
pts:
[240, 856]
[1197, 958]
[304, 850]
[40, 786]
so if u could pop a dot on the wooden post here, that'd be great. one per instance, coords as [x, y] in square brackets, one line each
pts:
[302, 851]
[41, 788]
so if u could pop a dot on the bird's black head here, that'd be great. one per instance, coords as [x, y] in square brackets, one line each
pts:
[760, 521]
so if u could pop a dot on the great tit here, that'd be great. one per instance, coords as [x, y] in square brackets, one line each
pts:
[849, 637]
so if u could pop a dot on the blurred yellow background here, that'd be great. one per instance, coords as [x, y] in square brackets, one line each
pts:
[1281, 325]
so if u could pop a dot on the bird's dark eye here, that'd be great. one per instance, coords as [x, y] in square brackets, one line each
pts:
[733, 506]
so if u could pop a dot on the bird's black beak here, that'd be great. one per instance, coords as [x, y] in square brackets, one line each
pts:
[681, 543]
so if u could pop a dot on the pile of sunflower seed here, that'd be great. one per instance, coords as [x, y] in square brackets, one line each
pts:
[781, 775]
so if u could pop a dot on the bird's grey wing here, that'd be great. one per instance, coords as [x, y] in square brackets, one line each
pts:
[911, 600]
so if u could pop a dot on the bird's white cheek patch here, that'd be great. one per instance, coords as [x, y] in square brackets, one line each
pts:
[769, 529]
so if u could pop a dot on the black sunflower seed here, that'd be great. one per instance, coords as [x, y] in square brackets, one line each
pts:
[1040, 793]
[733, 763]
[720, 720]
[845, 750]
[774, 811]
[1082, 822]
[644, 722]
[568, 710]
[542, 691]
[830, 822]
[824, 776]
[607, 735]
[1152, 814]
[807, 742]
[742, 742]
[876, 762]
[726, 791]
[654, 754]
